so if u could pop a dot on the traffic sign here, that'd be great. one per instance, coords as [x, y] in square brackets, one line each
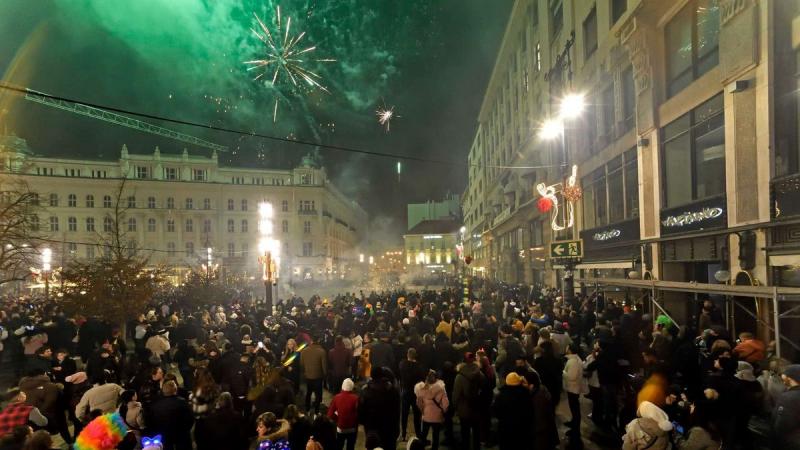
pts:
[566, 249]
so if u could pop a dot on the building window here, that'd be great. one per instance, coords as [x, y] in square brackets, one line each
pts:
[590, 33]
[131, 248]
[307, 248]
[151, 202]
[170, 173]
[198, 175]
[611, 193]
[244, 225]
[631, 173]
[131, 202]
[189, 226]
[171, 249]
[53, 200]
[35, 199]
[170, 203]
[244, 204]
[206, 203]
[35, 223]
[607, 118]
[90, 252]
[285, 226]
[231, 250]
[190, 249]
[131, 224]
[142, 172]
[695, 141]
[106, 201]
[170, 225]
[53, 223]
[72, 200]
[230, 204]
[537, 233]
[306, 227]
[207, 226]
[556, 17]
[151, 225]
[628, 91]
[692, 43]
[108, 225]
[90, 224]
[618, 8]
[72, 248]
[189, 204]
[285, 205]
[245, 250]
[90, 201]
[72, 224]
[231, 226]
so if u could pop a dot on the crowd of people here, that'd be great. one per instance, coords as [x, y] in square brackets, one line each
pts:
[411, 369]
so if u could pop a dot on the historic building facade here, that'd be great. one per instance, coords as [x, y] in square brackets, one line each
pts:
[176, 206]
[687, 149]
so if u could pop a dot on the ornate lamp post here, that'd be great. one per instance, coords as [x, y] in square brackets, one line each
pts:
[47, 256]
[268, 252]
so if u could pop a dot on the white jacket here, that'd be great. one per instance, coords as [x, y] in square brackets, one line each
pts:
[573, 374]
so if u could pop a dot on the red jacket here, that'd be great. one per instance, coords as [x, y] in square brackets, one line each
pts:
[344, 410]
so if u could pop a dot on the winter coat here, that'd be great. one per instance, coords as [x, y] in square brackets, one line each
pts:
[432, 401]
[512, 407]
[343, 410]
[103, 397]
[573, 374]
[221, 429]
[411, 373]
[644, 433]
[381, 354]
[784, 419]
[314, 362]
[134, 417]
[339, 358]
[467, 391]
[698, 439]
[379, 410]
[42, 394]
[172, 418]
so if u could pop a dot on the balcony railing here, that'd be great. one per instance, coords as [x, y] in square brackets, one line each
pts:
[307, 212]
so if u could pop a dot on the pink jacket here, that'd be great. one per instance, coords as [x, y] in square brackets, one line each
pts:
[432, 401]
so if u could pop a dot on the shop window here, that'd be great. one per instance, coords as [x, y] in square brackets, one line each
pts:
[695, 141]
[692, 43]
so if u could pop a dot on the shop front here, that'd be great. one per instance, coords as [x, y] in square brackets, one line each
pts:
[611, 251]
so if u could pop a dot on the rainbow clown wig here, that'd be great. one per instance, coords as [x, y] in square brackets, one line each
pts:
[102, 433]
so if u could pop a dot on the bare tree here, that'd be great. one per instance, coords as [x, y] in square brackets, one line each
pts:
[19, 230]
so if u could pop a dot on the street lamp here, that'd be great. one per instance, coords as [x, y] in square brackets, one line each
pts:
[269, 252]
[47, 256]
[571, 106]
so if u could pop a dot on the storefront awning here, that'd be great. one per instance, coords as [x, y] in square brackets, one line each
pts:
[606, 265]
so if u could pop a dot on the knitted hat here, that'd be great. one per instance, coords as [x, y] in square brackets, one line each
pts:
[651, 411]
[513, 379]
[744, 371]
[348, 385]
[792, 371]
[102, 433]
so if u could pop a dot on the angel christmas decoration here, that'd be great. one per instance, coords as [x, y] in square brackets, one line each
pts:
[548, 201]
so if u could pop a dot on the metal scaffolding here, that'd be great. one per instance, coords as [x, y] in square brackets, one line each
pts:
[777, 294]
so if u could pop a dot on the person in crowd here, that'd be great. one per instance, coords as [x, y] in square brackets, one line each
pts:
[432, 401]
[550, 368]
[103, 397]
[649, 430]
[299, 427]
[750, 349]
[18, 413]
[573, 385]
[379, 407]
[205, 393]
[512, 407]
[132, 412]
[269, 428]
[46, 397]
[171, 417]
[344, 411]
[340, 363]
[785, 423]
[39, 440]
[467, 400]
[411, 373]
[314, 361]
[222, 428]
[16, 438]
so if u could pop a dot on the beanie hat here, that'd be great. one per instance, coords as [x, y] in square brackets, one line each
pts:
[792, 371]
[102, 433]
[347, 385]
[744, 371]
[651, 411]
[513, 379]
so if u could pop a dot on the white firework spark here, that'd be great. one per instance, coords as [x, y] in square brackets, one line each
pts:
[284, 55]
[385, 116]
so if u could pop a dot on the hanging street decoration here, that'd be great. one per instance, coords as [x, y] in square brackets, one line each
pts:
[549, 200]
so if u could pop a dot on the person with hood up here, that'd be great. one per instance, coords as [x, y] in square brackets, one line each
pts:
[650, 430]
[432, 401]
[46, 395]
[467, 400]
[344, 411]
[512, 407]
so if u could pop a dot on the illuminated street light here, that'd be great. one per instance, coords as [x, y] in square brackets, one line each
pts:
[268, 252]
[371, 260]
[572, 106]
[361, 258]
[47, 256]
[551, 129]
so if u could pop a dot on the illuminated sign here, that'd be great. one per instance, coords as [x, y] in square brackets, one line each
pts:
[688, 218]
[432, 236]
[701, 215]
[606, 235]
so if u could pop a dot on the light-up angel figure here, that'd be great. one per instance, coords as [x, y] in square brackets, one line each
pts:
[570, 192]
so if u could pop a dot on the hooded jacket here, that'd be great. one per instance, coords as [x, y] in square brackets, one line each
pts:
[649, 431]
[42, 394]
[432, 401]
[466, 391]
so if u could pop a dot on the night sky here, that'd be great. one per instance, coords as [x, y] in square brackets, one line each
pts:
[430, 59]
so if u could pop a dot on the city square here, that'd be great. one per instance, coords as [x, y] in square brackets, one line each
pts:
[420, 224]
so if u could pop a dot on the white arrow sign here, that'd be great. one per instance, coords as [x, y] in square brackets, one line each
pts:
[559, 250]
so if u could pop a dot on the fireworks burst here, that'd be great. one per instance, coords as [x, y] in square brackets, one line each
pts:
[285, 58]
[385, 116]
